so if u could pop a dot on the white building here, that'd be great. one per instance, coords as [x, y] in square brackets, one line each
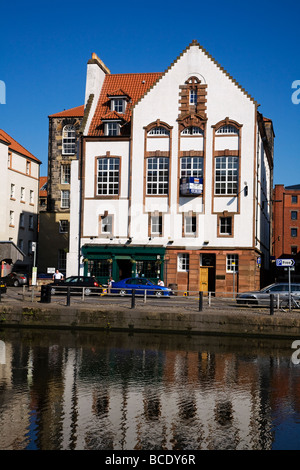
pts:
[19, 192]
[174, 178]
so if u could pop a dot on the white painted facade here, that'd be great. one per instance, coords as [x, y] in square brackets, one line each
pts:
[19, 191]
[224, 99]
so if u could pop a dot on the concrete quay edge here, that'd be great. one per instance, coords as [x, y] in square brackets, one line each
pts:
[158, 319]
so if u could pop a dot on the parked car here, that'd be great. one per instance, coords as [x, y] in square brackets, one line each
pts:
[15, 279]
[2, 286]
[140, 285]
[77, 284]
[262, 297]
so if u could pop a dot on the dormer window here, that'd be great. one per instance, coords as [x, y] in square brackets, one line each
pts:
[112, 128]
[118, 105]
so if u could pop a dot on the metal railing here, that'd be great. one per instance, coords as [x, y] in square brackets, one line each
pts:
[193, 300]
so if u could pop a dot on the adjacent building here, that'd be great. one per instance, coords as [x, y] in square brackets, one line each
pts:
[55, 202]
[173, 178]
[286, 228]
[19, 193]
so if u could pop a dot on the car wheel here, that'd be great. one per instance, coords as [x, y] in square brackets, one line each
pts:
[158, 293]
[87, 291]
[122, 292]
[16, 283]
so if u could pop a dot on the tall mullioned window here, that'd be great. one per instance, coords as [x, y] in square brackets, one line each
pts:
[157, 176]
[226, 175]
[69, 140]
[191, 166]
[108, 176]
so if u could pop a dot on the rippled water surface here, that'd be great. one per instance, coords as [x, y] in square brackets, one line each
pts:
[114, 391]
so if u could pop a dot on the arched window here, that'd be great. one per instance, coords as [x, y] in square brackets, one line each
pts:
[159, 131]
[228, 129]
[68, 140]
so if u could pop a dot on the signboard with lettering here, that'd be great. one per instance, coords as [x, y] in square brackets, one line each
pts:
[284, 263]
[191, 186]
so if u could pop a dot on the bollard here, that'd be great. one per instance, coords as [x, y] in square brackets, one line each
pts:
[133, 298]
[200, 301]
[271, 304]
[68, 296]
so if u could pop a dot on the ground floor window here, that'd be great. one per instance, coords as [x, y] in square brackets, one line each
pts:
[183, 261]
[147, 269]
[232, 263]
[99, 268]
[62, 260]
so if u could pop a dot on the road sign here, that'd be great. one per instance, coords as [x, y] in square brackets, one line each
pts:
[285, 262]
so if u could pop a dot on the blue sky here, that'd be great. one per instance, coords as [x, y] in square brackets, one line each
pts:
[45, 47]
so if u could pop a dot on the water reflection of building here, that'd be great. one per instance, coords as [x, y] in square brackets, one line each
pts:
[138, 398]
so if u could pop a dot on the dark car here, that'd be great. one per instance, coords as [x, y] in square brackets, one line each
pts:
[15, 279]
[140, 285]
[78, 285]
[262, 297]
[2, 286]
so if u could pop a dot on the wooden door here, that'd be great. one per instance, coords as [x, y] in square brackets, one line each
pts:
[203, 280]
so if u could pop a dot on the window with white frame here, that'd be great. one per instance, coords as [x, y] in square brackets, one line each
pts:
[65, 199]
[28, 167]
[157, 176]
[193, 97]
[65, 175]
[12, 190]
[159, 130]
[183, 262]
[31, 196]
[156, 224]
[191, 166]
[68, 140]
[228, 129]
[226, 175]
[112, 128]
[108, 176]
[232, 263]
[118, 105]
[63, 226]
[192, 130]
[23, 194]
[107, 224]
[190, 225]
[225, 227]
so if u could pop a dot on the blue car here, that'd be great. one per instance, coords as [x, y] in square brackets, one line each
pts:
[140, 284]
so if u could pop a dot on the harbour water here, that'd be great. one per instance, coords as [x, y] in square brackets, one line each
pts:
[94, 390]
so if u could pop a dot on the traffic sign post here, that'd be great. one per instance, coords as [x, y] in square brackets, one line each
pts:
[287, 263]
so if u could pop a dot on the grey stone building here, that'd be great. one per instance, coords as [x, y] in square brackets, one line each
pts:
[54, 221]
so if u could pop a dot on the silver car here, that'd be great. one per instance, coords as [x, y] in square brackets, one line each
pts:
[262, 297]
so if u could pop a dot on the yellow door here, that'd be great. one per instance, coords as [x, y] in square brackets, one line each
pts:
[203, 281]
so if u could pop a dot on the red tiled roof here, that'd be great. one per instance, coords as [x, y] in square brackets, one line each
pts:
[15, 146]
[134, 85]
[72, 112]
[43, 180]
